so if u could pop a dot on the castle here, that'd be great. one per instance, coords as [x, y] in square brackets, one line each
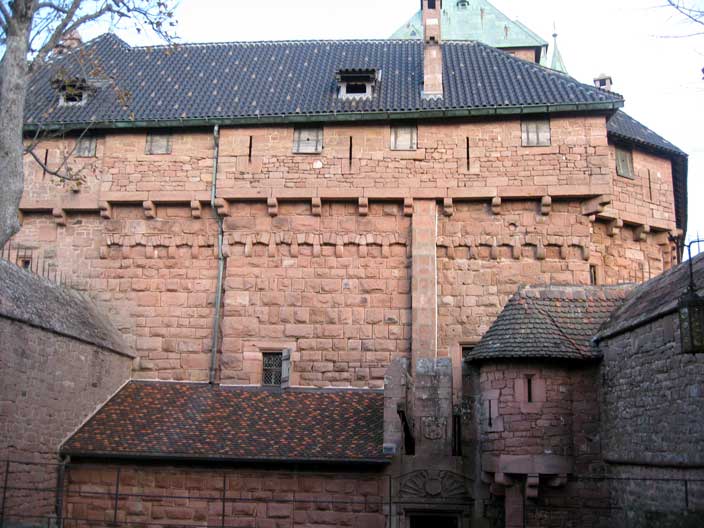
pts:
[359, 280]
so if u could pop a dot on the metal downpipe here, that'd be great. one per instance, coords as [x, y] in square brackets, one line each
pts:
[221, 258]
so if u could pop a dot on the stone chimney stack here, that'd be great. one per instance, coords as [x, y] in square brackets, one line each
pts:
[603, 81]
[432, 54]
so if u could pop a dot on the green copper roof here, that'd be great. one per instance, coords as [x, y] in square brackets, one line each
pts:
[475, 20]
[557, 63]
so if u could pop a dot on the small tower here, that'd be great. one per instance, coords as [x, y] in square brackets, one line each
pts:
[432, 53]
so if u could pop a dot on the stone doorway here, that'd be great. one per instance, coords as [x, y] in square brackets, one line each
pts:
[433, 520]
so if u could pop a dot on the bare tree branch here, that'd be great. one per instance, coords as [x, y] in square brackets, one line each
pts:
[694, 15]
[58, 33]
[6, 15]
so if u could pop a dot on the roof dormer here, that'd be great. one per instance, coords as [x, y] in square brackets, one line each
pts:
[357, 83]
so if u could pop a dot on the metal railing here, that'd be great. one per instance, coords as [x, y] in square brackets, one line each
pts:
[35, 261]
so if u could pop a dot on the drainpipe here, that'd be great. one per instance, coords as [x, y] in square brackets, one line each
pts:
[221, 257]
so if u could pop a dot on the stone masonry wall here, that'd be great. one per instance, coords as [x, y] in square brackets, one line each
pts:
[579, 157]
[652, 398]
[484, 257]
[166, 496]
[49, 384]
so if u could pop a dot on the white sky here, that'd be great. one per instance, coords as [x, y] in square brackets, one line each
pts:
[660, 77]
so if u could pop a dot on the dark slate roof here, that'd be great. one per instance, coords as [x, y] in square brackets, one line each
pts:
[193, 421]
[283, 80]
[32, 300]
[623, 127]
[653, 299]
[551, 322]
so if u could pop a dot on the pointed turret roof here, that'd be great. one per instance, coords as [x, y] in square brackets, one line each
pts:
[475, 20]
[557, 63]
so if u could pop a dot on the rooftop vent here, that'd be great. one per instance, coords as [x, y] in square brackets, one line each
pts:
[357, 83]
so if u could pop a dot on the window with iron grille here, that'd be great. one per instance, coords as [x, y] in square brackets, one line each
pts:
[85, 147]
[535, 133]
[404, 137]
[271, 368]
[158, 143]
[308, 140]
[624, 163]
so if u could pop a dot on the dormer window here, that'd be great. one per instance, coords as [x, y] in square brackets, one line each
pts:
[357, 83]
[72, 92]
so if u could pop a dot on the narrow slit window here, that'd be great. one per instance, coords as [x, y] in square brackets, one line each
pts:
[350, 153]
[536, 133]
[650, 185]
[272, 363]
[456, 435]
[593, 275]
[529, 389]
[624, 163]
[158, 143]
[404, 137]
[308, 140]
[468, 155]
[251, 145]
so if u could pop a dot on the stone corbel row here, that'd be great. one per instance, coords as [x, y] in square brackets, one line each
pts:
[316, 240]
[516, 243]
[249, 240]
[152, 242]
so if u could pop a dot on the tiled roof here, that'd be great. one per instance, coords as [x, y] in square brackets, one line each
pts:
[654, 298]
[203, 422]
[555, 322]
[289, 80]
[33, 300]
[621, 126]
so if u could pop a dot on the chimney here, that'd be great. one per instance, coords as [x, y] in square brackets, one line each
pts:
[68, 42]
[604, 82]
[432, 53]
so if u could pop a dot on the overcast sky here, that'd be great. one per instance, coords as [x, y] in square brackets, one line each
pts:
[631, 40]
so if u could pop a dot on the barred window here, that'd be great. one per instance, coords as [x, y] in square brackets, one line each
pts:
[158, 143]
[307, 140]
[271, 369]
[624, 163]
[404, 137]
[535, 133]
[85, 147]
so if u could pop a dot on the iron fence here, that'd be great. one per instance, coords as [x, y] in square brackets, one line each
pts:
[35, 261]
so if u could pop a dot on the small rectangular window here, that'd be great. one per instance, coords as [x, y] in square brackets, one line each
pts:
[308, 140]
[85, 147]
[624, 163]
[158, 143]
[529, 389]
[535, 133]
[272, 363]
[404, 137]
